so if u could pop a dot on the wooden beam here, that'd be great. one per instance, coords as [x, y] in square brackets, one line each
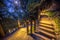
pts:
[2, 31]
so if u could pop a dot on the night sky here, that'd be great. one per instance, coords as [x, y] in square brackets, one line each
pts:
[16, 8]
[13, 9]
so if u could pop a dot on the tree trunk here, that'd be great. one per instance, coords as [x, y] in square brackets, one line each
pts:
[34, 25]
[27, 27]
[31, 26]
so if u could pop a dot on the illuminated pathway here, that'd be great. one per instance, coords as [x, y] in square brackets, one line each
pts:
[21, 34]
[45, 31]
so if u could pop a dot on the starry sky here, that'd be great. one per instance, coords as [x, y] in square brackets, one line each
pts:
[12, 9]
[15, 9]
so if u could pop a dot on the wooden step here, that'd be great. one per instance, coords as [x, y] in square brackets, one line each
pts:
[47, 22]
[47, 29]
[44, 32]
[41, 36]
[46, 25]
[50, 24]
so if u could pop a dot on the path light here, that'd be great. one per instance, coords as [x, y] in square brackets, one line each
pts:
[9, 31]
[14, 29]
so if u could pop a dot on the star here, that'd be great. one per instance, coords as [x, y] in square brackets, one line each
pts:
[21, 10]
[10, 10]
[16, 2]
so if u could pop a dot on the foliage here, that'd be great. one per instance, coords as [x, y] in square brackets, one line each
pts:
[50, 14]
[55, 16]
[32, 3]
[57, 21]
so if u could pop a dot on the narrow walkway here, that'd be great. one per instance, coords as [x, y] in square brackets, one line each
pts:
[21, 34]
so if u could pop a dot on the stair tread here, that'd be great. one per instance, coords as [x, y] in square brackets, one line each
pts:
[46, 23]
[41, 36]
[49, 34]
[51, 30]
[46, 26]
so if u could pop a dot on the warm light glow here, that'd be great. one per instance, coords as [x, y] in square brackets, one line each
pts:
[9, 31]
[14, 29]
[19, 23]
